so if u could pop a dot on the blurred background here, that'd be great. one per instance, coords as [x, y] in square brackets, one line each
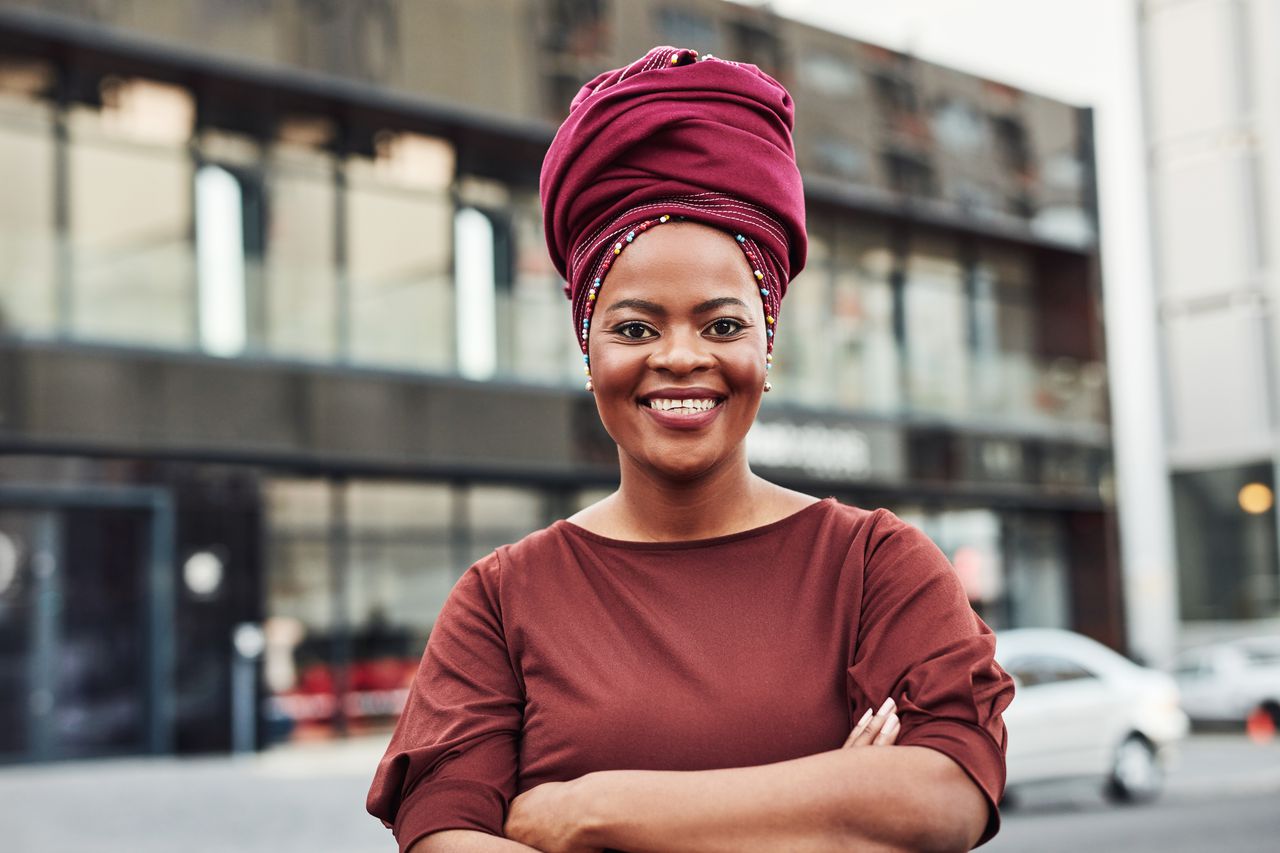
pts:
[282, 353]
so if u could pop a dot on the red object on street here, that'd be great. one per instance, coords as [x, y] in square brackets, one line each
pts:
[1259, 726]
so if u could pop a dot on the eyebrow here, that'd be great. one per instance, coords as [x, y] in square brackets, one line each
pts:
[638, 304]
[654, 308]
[718, 302]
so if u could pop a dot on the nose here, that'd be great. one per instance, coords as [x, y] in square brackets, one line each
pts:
[681, 351]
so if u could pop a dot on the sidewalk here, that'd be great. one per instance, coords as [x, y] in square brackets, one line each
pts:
[310, 798]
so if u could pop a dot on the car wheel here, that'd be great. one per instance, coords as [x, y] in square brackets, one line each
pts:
[1136, 775]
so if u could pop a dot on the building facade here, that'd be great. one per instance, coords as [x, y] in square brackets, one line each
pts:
[1213, 142]
[281, 347]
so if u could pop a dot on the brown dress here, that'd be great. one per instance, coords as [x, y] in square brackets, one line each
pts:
[569, 652]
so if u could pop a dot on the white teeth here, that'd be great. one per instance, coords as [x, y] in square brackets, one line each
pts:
[682, 406]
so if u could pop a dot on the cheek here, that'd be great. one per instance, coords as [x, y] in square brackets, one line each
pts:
[749, 361]
[615, 371]
[748, 376]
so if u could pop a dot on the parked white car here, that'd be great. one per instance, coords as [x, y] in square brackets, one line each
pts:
[1227, 682]
[1084, 711]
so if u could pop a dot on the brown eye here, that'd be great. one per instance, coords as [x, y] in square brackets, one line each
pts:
[634, 331]
[725, 327]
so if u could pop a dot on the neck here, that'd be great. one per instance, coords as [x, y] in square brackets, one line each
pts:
[724, 500]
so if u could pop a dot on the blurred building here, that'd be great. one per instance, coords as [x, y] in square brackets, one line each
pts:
[1212, 91]
[280, 343]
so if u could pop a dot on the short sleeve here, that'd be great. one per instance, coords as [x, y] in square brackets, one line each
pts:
[452, 760]
[919, 641]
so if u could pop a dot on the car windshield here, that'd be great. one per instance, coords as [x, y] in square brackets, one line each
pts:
[1262, 655]
[1033, 670]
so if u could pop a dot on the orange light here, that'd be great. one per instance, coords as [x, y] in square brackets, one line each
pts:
[1255, 498]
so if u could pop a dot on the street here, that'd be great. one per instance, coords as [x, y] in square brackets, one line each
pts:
[1223, 797]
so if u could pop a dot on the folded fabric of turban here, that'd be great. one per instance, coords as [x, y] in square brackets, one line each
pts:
[705, 139]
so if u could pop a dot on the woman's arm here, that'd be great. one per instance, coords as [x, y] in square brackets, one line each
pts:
[466, 841]
[803, 804]
[451, 763]
[902, 798]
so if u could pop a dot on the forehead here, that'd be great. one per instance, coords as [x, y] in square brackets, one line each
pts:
[681, 261]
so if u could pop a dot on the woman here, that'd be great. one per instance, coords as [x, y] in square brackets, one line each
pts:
[678, 666]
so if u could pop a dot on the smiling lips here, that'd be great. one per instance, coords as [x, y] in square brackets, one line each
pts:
[683, 413]
[683, 407]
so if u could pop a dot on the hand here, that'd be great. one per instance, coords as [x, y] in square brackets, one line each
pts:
[546, 817]
[879, 730]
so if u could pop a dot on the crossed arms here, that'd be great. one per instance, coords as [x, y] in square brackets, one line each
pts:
[907, 798]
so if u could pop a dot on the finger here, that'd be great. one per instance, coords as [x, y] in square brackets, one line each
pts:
[888, 733]
[867, 736]
[858, 729]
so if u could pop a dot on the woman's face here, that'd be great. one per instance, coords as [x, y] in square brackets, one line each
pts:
[679, 318]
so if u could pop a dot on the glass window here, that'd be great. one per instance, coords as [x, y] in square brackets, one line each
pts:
[829, 74]
[535, 329]
[1060, 173]
[802, 368]
[230, 233]
[398, 587]
[868, 372]
[130, 181]
[402, 565]
[688, 28]
[579, 28]
[1226, 539]
[358, 618]
[220, 261]
[300, 299]
[937, 325]
[301, 630]
[1004, 369]
[28, 303]
[475, 272]
[971, 540]
[398, 252]
[388, 507]
[498, 515]
[1036, 577]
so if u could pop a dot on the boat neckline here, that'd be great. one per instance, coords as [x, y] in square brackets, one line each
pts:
[675, 544]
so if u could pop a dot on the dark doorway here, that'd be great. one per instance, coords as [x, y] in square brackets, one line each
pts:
[79, 659]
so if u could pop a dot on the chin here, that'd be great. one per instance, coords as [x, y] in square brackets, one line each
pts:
[681, 465]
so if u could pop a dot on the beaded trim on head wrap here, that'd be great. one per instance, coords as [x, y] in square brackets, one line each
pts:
[613, 241]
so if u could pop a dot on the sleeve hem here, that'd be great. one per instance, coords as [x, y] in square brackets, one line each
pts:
[437, 805]
[985, 766]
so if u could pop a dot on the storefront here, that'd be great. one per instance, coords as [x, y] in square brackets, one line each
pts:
[282, 353]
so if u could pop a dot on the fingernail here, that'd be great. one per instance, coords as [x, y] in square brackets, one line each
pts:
[892, 724]
[888, 703]
[863, 721]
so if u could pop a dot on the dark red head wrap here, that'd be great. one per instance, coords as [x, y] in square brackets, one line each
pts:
[671, 135]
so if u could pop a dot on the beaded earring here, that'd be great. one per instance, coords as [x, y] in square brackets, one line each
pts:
[748, 248]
